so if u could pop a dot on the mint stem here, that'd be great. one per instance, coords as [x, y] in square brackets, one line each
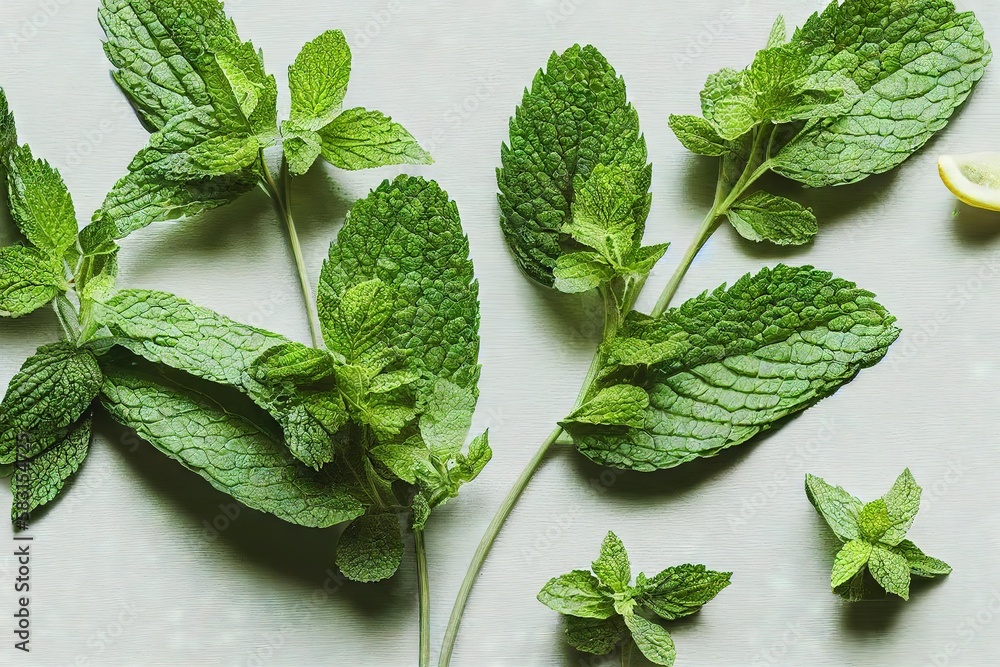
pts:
[424, 593]
[281, 198]
[613, 316]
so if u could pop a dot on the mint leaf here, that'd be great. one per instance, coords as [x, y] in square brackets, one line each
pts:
[40, 203]
[240, 455]
[574, 118]
[447, 417]
[621, 405]
[837, 507]
[53, 389]
[363, 139]
[294, 363]
[578, 593]
[779, 33]
[891, 571]
[767, 217]
[921, 565]
[874, 520]
[592, 635]
[610, 210]
[902, 504]
[851, 560]
[408, 235]
[698, 135]
[371, 548]
[37, 481]
[680, 591]
[29, 279]
[737, 361]
[318, 80]
[612, 566]
[8, 129]
[354, 328]
[914, 63]
[581, 272]
[652, 639]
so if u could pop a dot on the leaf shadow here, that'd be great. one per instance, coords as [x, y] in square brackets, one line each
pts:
[863, 619]
[296, 553]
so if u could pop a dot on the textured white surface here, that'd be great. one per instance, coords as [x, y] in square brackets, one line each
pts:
[124, 571]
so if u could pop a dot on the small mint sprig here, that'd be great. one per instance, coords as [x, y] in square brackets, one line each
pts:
[603, 609]
[873, 536]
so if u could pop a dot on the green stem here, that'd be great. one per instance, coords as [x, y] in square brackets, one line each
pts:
[612, 319]
[424, 593]
[708, 228]
[281, 198]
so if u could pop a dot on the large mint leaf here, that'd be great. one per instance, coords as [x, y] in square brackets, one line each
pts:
[730, 364]
[575, 117]
[408, 235]
[238, 455]
[51, 392]
[914, 62]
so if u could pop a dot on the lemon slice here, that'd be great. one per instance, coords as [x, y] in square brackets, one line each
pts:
[974, 178]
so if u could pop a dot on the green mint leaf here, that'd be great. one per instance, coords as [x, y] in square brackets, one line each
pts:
[578, 593]
[53, 389]
[890, 570]
[838, 508]
[141, 199]
[594, 635]
[236, 451]
[363, 139]
[621, 405]
[849, 562]
[305, 435]
[874, 520]
[767, 217]
[738, 361]
[581, 272]
[574, 118]
[29, 279]
[651, 639]
[294, 363]
[644, 259]
[914, 64]
[610, 210]
[447, 417]
[353, 325]
[371, 548]
[318, 80]
[40, 203]
[404, 461]
[612, 566]
[718, 87]
[39, 480]
[698, 135]
[921, 565]
[8, 129]
[408, 235]
[779, 33]
[680, 591]
[166, 329]
[902, 504]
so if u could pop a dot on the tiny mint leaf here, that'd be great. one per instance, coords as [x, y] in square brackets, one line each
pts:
[371, 548]
[767, 217]
[581, 272]
[837, 507]
[612, 566]
[40, 203]
[849, 561]
[698, 135]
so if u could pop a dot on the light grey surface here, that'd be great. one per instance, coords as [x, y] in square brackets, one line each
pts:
[124, 571]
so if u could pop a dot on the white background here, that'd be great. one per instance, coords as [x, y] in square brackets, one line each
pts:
[124, 571]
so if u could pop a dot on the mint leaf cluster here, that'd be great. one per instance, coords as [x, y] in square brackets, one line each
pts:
[604, 609]
[876, 552]
[854, 92]
[212, 107]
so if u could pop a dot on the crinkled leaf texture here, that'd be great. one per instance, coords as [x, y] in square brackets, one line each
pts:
[914, 63]
[51, 392]
[730, 364]
[29, 279]
[574, 118]
[371, 548]
[206, 96]
[238, 450]
[408, 235]
[37, 481]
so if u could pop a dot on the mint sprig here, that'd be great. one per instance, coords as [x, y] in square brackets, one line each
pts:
[875, 553]
[603, 608]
